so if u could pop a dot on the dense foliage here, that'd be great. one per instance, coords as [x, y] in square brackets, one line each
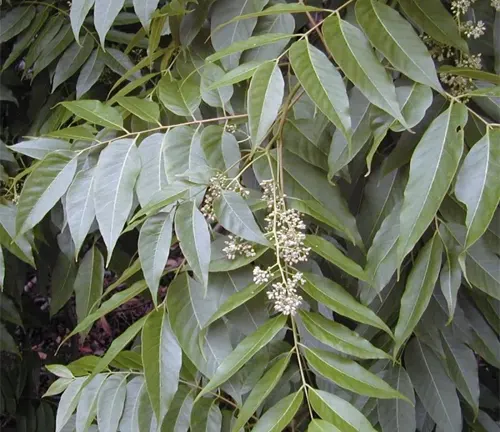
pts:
[307, 195]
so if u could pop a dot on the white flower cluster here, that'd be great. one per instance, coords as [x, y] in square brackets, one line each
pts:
[474, 29]
[495, 4]
[284, 294]
[460, 7]
[261, 276]
[285, 227]
[237, 246]
[218, 184]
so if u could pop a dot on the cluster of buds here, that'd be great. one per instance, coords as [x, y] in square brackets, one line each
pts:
[237, 246]
[285, 226]
[261, 276]
[218, 184]
[284, 294]
[495, 4]
[473, 29]
[460, 7]
[458, 84]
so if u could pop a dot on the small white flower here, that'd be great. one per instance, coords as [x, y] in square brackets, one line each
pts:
[460, 7]
[261, 276]
[495, 4]
[237, 246]
[284, 295]
[474, 30]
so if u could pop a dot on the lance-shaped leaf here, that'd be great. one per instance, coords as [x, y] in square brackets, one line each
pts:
[349, 375]
[338, 412]
[265, 95]
[96, 112]
[221, 149]
[78, 12]
[261, 390]
[433, 386]
[144, 9]
[154, 247]
[339, 337]
[19, 245]
[162, 360]
[435, 20]
[245, 350]
[15, 21]
[234, 215]
[462, 367]
[145, 109]
[72, 60]
[87, 405]
[68, 402]
[418, 290]
[477, 186]
[80, 208]
[63, 279]
[89, 282]
[38, 148]
[432, 168]
[105, 13]
[111, 402]
[278, 416]
[323, 83]
[339, 300]
[220, 96]
[353, 53]
[43, 188]
[398, 415]
[394, 37]
[128, 421]
[180, 97]
[115, 177]
[90, 72]
[222, 12]
[194, 239]
[330, 252]
[206, 416]
[179, 414]
[241, 73]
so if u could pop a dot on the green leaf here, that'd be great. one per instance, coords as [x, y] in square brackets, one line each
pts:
[19, 245]
[8, 309]
[234, 215]
[162, 198]
[89, 283]
[105, 12]
[221, 149]
[84, 133]
[232, 32]
[135, 387]
[450, 277]
[194, 238]
[462, 368]
[115, 177]
[46, 184]
[179, 414]
[277, 417]
[78, 12]
[7, 342]
[15, 21]
[87, 405]
[72, 60]
[245, 350]
[154, 247]
[353, 53]
[339, 300]
[398, 415]
[265, 95]
[96, 112]
[435, 20]
[433, 386]
[330, 252]
[349, 375]
[145, 109]
[80, 206]
[394, 37]
[476, 186]
[260, 391]
[109, 305]
[206, 416]
[317, 425]
[58, 386]
[111, 402]
[38, 148]
[68, 402]
[322, 83]
[418, 291]
[432, 168]
[182, 97]
[219, 261]
[339, 337]
[471, 73]
[238, 74]
[162, 360]
[486, 91]
[46, 36]
[63, 281]
[338, 412]
[144, 9]
[220, 96]
[90, 73]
